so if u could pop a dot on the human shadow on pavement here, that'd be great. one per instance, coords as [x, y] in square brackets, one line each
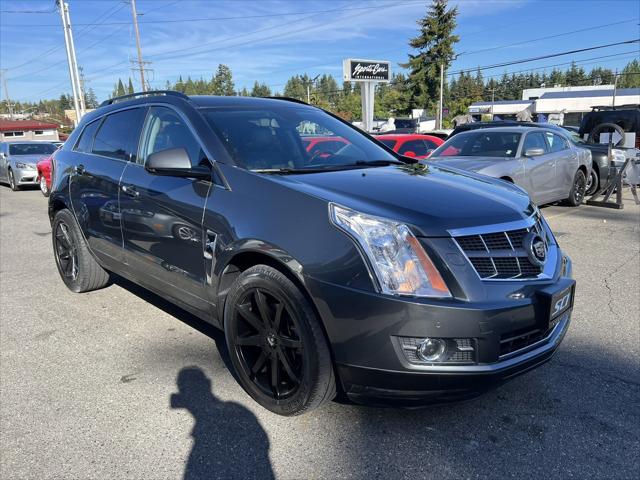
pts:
[228, 439]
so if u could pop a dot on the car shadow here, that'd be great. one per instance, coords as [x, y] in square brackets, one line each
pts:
[228, 439]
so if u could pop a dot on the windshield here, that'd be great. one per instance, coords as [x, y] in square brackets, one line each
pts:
[284, 137]
[481, 143]
[31, 148]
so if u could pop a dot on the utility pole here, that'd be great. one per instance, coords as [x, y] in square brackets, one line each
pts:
[137, 31]
[76, 89]
[3, 73]
[440, 100]
[615, 87]
[309, 87]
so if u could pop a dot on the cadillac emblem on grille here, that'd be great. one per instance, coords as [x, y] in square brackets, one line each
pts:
[536, 248]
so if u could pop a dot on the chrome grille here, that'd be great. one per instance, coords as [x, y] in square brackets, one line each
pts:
[501, 255]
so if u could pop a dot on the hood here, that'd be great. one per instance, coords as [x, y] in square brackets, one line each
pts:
[429, 198]
[472, 164]
[30, 159]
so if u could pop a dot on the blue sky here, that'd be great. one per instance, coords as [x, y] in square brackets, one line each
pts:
[270, 40]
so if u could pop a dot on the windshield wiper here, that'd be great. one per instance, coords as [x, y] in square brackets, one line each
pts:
[328, 168]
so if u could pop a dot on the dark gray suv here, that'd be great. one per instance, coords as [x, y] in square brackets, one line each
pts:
[353, 271]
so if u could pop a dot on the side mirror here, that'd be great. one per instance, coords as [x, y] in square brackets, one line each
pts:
[410, 153]
[175, 162]
[534, 152]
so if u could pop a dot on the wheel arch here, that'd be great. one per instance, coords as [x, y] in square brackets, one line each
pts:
[507, 179]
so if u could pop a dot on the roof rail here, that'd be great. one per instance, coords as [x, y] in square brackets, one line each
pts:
[150, 93]
[288, 99]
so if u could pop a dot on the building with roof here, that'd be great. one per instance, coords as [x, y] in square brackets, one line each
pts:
[28, 130]
[559, 105]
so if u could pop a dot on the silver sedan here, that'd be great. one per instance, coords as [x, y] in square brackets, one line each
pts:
[18, 161]
[542, 161]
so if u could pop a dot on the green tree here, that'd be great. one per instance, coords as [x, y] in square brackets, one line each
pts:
[222, 82]
[575, 76]
[434, 45]
[260, 90]
[90, 99]
[630, 75]
[130, 88]
[296, 87]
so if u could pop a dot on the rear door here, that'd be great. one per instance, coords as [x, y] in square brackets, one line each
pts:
[104, 148]
[539, 170]
[3, 161]
[162, 215]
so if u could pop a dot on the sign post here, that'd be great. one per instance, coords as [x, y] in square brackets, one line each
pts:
[367, 73]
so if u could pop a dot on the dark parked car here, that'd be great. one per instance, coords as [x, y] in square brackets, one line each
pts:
[360, 272]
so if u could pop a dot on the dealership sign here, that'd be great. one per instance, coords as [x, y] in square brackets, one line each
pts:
[366, 70]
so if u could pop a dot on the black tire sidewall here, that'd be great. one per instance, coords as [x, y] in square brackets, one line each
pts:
[269, 279]
[595, 185]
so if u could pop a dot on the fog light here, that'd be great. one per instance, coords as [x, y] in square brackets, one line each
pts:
[432, 349]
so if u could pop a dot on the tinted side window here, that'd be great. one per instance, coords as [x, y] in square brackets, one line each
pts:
[85, 142]
[118, 135]
[165, 130]
[534, 140]
[556, 142]
[415, 146]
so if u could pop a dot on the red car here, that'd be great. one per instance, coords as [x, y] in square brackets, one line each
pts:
[323, 146]
[44, 175]
[411, 144]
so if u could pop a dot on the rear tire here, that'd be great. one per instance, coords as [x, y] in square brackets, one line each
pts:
[78, 269]
[593, 183]
[576, 195]
[276, 343]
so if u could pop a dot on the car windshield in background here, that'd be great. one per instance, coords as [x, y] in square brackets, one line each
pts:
[31, 148]
[276, 139]
[483, 143]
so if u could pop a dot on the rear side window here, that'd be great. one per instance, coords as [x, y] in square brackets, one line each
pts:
[85, 142]
[118, 135]
[535, 140]
[415, 146]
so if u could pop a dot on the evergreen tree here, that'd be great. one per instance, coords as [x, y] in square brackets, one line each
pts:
[130, 88]
[119, 90]
[296, 87]
[222, 82]
[630, 75]
[260, 90]
[434, 45]
[575, 75]
[90, 99]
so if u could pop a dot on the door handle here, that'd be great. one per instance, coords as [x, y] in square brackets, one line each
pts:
[79, 169]
[130, 190]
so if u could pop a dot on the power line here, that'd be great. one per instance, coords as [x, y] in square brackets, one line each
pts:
[490, 49]
[240, 17]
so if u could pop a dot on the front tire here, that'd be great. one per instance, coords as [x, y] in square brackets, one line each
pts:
[576, 195]
[276, 344]
[12, 181]
[78, 269]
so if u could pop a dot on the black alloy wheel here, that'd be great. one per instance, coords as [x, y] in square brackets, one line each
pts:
[577, 189]
[268, 343]
[66, 252]
[78, 269]
[276, 343]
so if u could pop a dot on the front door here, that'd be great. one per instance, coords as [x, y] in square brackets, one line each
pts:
[100, 157]
[539, 170]
[162, 215]
[567, 163]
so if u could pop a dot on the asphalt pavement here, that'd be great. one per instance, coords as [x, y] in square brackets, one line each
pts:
[117, 383]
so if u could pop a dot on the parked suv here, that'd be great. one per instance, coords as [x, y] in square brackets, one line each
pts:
[360, 272]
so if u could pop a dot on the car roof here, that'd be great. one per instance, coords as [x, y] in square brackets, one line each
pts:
[513, 129]
[404, 136]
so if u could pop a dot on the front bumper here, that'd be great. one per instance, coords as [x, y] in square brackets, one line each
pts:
[25, 176]
[363, 328]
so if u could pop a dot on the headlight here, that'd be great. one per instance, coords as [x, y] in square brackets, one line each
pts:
[399, 262]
